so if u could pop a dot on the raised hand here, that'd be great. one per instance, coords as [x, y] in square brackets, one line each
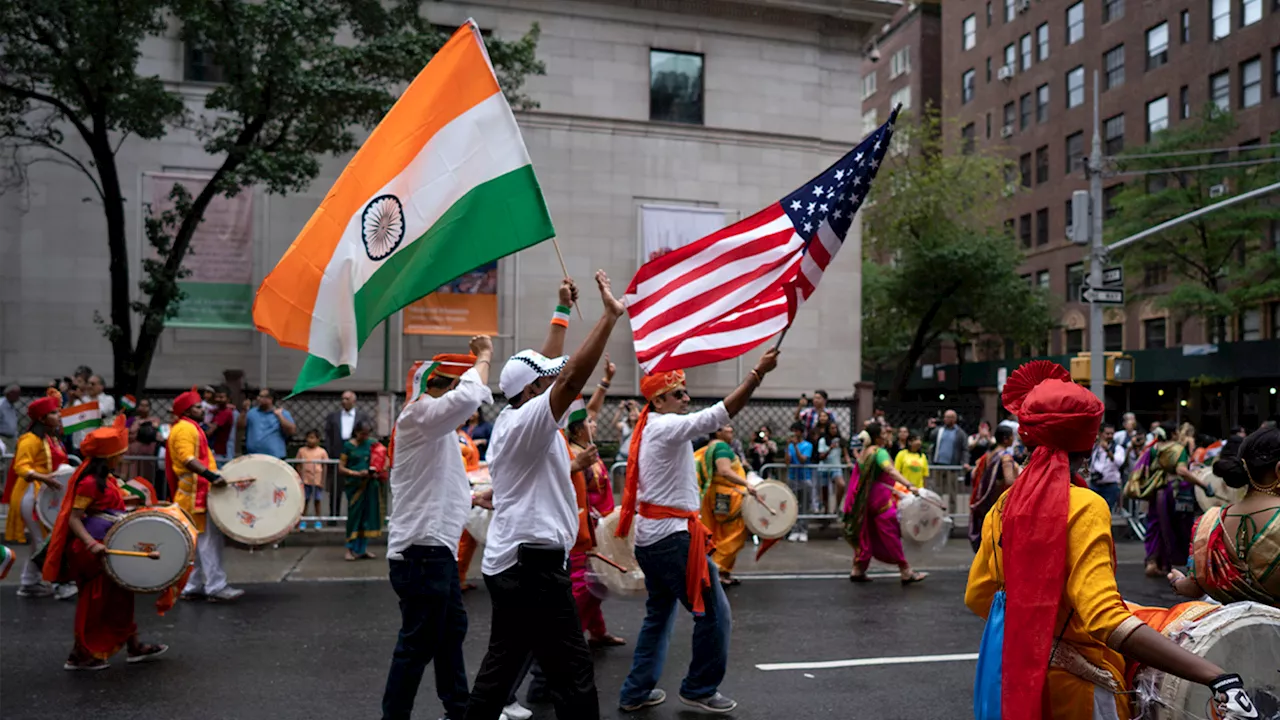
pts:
[609, 368]
[768, 362]
[612, 305]
[568, 292]
[481, 345]
[585, 459]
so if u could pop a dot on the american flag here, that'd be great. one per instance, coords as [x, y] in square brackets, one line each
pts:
[720, 296]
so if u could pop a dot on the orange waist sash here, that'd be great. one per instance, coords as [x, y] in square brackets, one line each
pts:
[696, 575]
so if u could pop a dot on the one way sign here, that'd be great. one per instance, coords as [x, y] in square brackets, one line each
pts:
[1103, 296]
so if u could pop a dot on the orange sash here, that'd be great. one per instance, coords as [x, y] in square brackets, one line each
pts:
[696, 575]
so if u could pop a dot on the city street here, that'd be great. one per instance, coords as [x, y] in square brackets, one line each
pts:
[319, 648]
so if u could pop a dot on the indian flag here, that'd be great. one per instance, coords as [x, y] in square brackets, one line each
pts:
[442, 186]
[86, 416]
[128, 403]
[578, 410]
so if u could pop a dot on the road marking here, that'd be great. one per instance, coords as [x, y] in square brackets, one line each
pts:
[868, 662]
[810, 576]
[352, 579]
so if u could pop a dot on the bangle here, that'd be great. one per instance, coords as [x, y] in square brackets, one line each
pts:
[604, 384]
[756, 374]
[561, 316]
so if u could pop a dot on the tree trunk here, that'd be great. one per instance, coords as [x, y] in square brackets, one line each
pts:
[919, 343]
[124, 372]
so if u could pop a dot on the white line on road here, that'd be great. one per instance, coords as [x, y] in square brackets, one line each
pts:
[810, 576]
[868, 662]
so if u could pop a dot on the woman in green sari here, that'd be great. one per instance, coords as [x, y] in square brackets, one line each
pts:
[364, 492]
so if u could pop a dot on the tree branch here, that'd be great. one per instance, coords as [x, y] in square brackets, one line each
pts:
[57, 103]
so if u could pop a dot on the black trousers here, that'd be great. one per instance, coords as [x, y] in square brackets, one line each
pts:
[534, 612]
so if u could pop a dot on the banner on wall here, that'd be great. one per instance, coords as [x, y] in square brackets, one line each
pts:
[219, 290]
[664, 228]
[466, 306]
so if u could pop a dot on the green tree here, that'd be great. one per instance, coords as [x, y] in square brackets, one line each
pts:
[299, 79]
[937, 263]
[1215, 263]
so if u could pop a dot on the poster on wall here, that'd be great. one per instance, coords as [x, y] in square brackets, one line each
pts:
[467, 306]
[219, 290]
[664, 228]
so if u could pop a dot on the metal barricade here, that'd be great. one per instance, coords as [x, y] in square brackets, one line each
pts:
[820, 491]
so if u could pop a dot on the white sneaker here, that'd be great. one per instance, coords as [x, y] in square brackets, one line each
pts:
[226, 594]
[804, 536]
[36, 590]
[65, 591]
[516, 711]
[793, 536]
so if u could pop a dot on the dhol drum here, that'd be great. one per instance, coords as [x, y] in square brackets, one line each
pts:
[49, 500]
[604, 579]
[776, 520]
[1223, 494]
[1242, 637]
[262, 511]
[163, 529]
[477, 525]
[922, 516]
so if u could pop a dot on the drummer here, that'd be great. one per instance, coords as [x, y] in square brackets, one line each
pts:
[38, 454]
[672, 544]
[192, 469]
[104, 613]
[725, 487]
[430, 499]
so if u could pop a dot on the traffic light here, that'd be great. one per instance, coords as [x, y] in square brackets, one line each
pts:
[1120, 368]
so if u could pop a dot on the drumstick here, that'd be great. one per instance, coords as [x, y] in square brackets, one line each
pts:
[606, 560]
[766, 505]
[134, 553]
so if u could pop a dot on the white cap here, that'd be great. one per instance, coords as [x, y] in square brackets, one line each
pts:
[525, 367]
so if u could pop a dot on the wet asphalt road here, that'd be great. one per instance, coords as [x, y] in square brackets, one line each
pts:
[310, 650]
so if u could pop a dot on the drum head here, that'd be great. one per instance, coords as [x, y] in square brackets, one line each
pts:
[260, 512]
[480, 476]
[602, 578]
[771, 525]
[1223, 494]
[147, 531]
[922, 516]
[478, 524]
[49, 501]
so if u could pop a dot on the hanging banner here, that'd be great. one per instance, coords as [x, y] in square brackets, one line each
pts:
[219, 290]
[664, 228]
[467, 306]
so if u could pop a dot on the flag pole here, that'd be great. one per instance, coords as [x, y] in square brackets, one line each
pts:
[780, 337]
[565, 269]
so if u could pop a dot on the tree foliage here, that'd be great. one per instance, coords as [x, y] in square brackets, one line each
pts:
[1217, 264]
[300, 79]
[938, 265]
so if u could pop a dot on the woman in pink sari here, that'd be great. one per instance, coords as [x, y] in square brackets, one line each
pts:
[870, 515]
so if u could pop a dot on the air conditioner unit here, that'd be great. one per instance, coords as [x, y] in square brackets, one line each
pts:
[1006, 131]
[1218, 190]
[1024, 5]
[1005, 73]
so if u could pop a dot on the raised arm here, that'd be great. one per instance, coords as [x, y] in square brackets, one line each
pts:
[554, 346]
[578, 370]
[739, 397]
[596, 404]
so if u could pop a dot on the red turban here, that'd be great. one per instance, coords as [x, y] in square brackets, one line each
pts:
[1055, 416]
[651, 386]
[39, 408]
[186, 401]
[106, 442]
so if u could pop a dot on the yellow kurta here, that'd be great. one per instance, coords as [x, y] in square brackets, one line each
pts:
[31, 455]
[722, 507]
[183, 446]
[1100, 621]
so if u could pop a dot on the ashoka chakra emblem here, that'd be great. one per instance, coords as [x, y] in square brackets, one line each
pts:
[382, 226]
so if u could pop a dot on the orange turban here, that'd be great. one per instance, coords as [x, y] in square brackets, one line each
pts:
[651, 386]
[186, 401]
[39, 408]
[450, 365]
[106, 442]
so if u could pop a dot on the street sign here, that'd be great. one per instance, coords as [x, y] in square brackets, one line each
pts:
[1113, 276]
[1103, 297]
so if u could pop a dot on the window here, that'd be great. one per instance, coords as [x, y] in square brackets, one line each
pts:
[966, 139]
[1109, 200]
[1066, 215]
[1075, 23]
[1024, 234]
[1275, 72]
[675, 87]
[1024, 169]
[988, 13]
[988, 68]
[1112, 10]
[1074, 341]
[1220, 90]
[1075, 86]
[1010, 114]
[1157, 115]
[1250, 12]
[1113, 135]
[966, 87]
[1042, 103]
[1185, 24]
[901, 97]
[200, 67]
[1157, 46]
[988, 126]
[1154, 275]
[1251, 324]
[1010, 57]
[1010, 10]
[1250, 82]
[869, 85]
[1024, 107]
[1042, 164]
[1153, 334]
[970, 28]
[1008, 228]
[1220, 18]
[1113, 63]
[1075, 280]
[900, 63]
[1042, 42]
[1042, 227]
[870, 121]
[1184, 100]
[1042, 279]
[1113, 337]
[1075, 150]
[1024, 49]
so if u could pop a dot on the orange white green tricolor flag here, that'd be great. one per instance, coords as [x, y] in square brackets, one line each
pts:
[442, 186]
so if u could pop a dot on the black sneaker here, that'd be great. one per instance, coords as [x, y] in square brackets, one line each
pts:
[656, 697]
[717, 703]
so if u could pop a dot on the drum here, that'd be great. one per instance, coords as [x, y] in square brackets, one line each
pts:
[262, 511]
[1223, 494]
[165, 529]
[49, 500]
[480, 476]
[602, 578]
[922, 516]
[478, 524]
[780, 499]
[1241, 637]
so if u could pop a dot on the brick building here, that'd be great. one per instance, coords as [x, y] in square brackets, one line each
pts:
[903, 64]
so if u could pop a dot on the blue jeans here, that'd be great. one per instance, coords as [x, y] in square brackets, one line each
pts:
[433, 626]
[1109, 492]
[664, 565]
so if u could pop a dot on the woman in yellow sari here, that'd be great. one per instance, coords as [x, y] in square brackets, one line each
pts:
[724, 485]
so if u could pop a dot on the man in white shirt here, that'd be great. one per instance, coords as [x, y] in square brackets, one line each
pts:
[535, 523]
[672, 544]
[95, 392]
[430, 499]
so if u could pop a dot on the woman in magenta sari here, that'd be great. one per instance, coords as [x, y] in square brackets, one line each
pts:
[870, 516]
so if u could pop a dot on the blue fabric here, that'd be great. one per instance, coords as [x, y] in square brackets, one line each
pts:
[950, 446]
[987, 684]
[794, 451]
[262, 432]
[433, 623]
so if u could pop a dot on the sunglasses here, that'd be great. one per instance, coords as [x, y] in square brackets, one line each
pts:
[678, 394]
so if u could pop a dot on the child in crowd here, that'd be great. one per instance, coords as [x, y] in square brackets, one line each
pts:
[311, 463]
[911, 462]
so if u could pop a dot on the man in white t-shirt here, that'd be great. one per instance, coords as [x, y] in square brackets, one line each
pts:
[430, 499]
[535, 523]
[672, 544]
[95, 391]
